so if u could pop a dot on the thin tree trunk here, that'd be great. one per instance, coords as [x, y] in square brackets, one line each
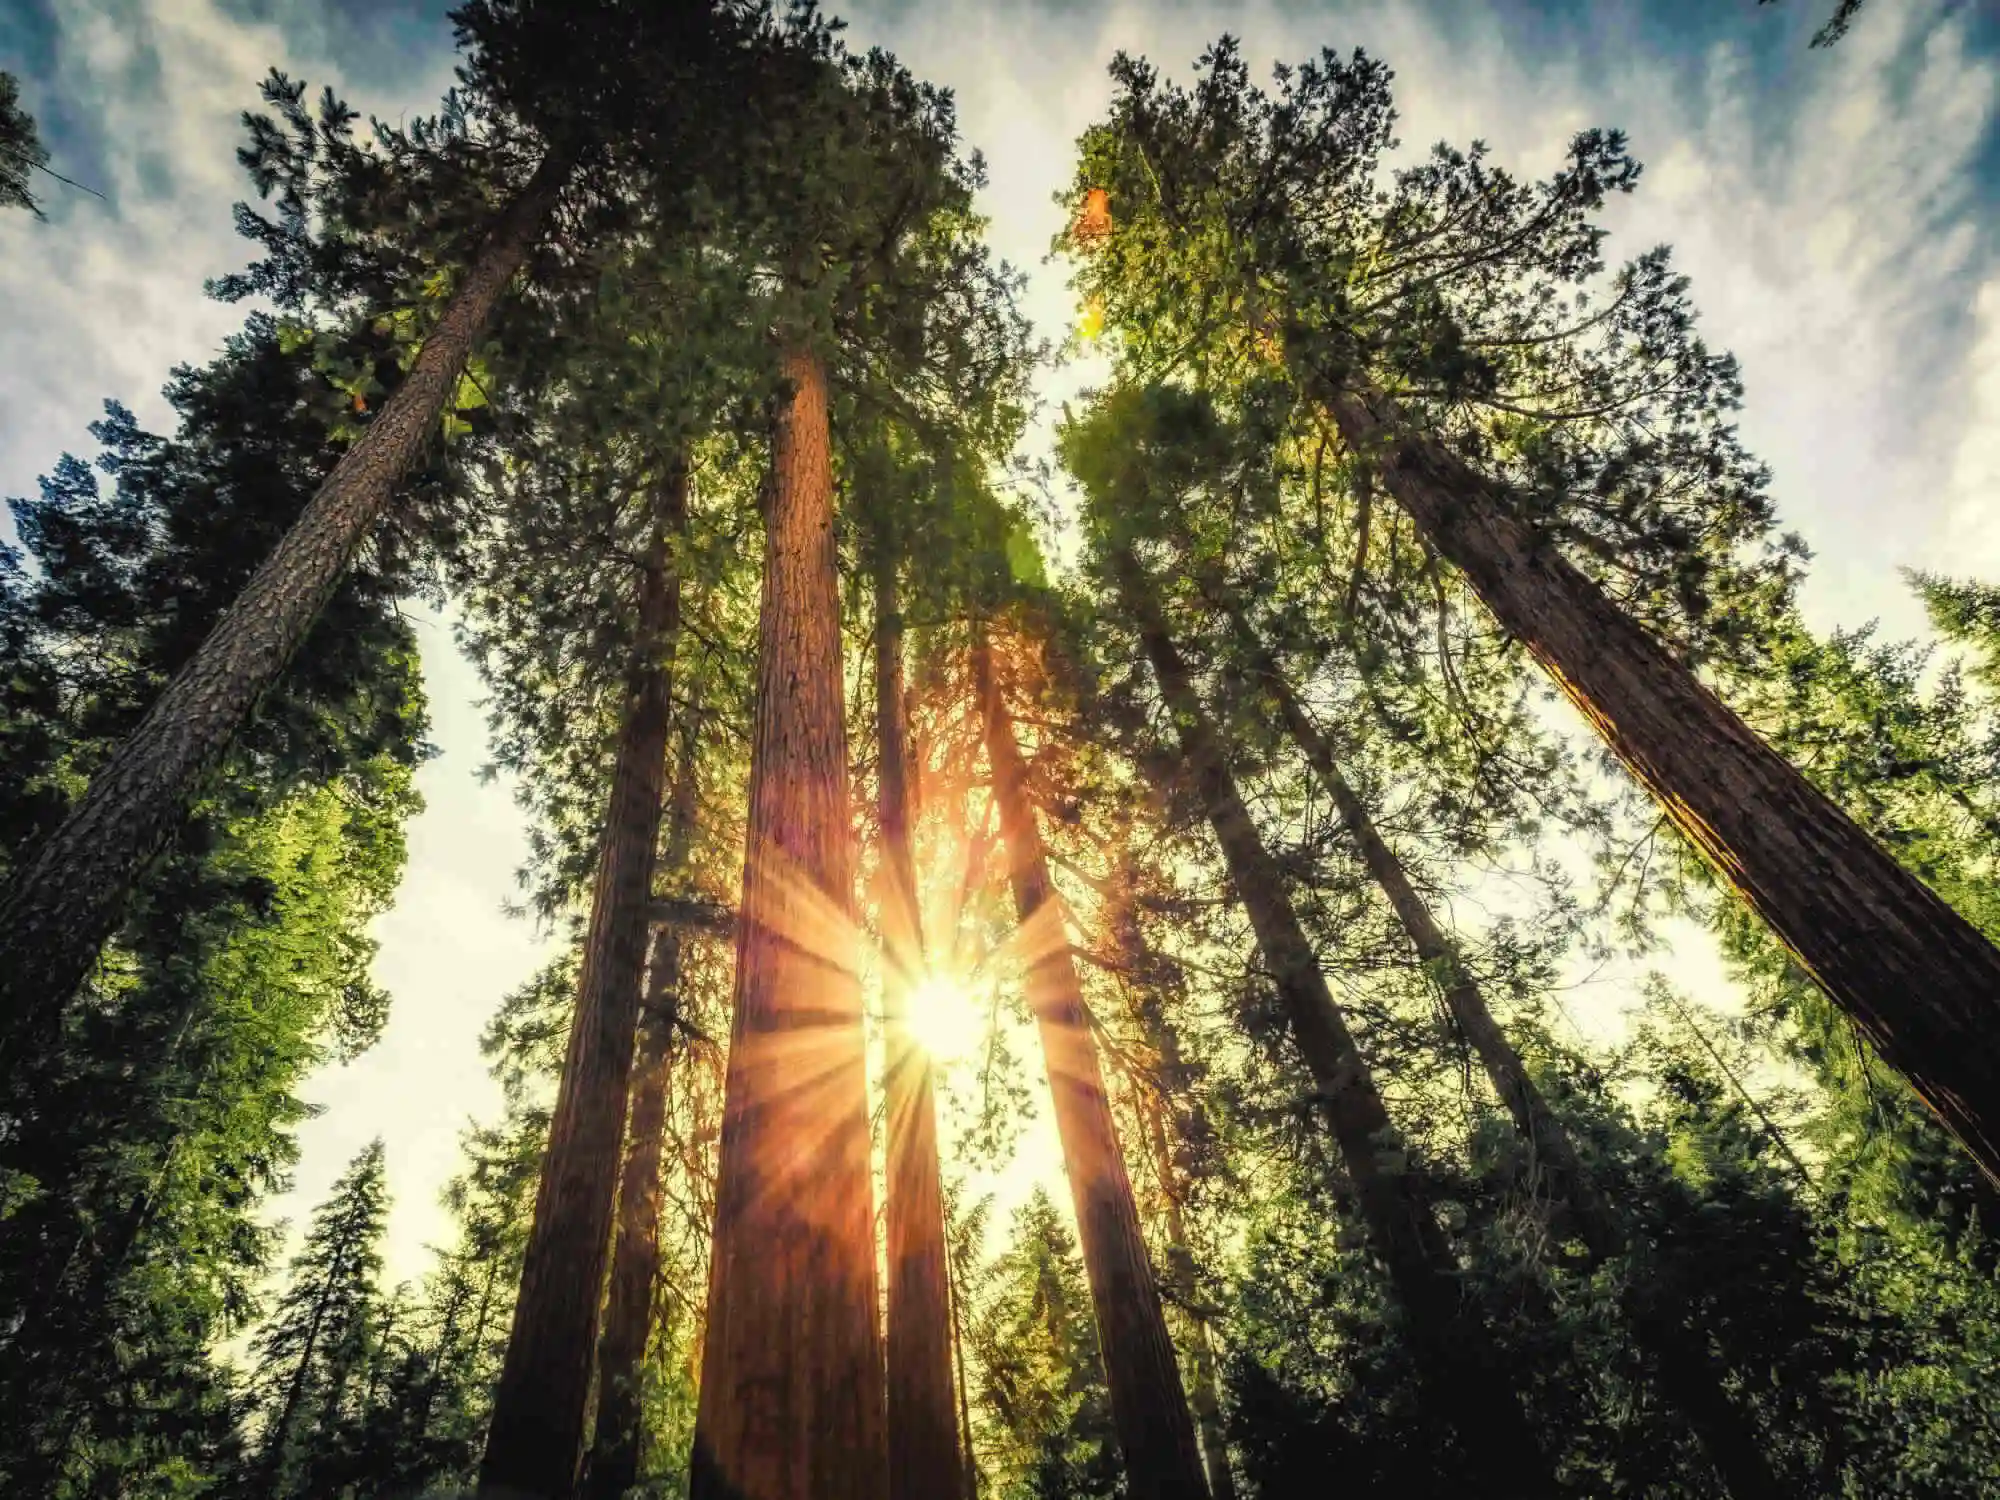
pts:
[1689, 1374]
[59, 910]
[1205, 1393]
[281, 1427]
[535, 1441]
[635, 1263]
[792, 1402]
[1465, 1380]
[1149, 1408]
[923, 1436]
[970, 1476]
[1919, 980]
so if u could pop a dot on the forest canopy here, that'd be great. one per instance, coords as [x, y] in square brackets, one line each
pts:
[1062, 914]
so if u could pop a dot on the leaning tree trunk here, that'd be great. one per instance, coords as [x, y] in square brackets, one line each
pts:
[1918, 979]
[924, 1459]
[1149, 1408]
[1465, 1380]
[1689, 1374]
[535, 1441]
[792, 1404]
[635, 1261]
[61, 908]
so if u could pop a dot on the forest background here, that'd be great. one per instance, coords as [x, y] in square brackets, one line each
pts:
[1836, 211]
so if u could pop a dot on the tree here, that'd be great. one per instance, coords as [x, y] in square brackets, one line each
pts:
[1149, 1406]
[924, 1457]
[542, 85]
[1836, 25]
[144, 1134]
[870, 243]
[1425, 326]
[635, 1264]
[21, 150]
[58, 909]
[539, 1410]
[1041, 1379]
[319, 1338]
[1460, 1368]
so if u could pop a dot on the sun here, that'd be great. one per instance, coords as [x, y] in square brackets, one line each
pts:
[945, 1017]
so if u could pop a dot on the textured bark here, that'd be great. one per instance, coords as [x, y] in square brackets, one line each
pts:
[1149, 1408]
[792, 1404]
[1919, 980]
[923, 1423]
[1688, 1373]
[59, 910]
[635, 1261]
[535, 1442]
[1464, 1378]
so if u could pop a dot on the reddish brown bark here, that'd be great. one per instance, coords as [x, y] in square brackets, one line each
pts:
[635, 1261]
[792, 1376]
[1919, 980]
[1464, 1377]
[1149, 1408]
[535, 1441]
[924, 1461]
[60, 909]
[1689, 1375]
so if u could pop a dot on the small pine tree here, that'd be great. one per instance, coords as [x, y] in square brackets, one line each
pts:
[1038, 1376]
[315, 1350]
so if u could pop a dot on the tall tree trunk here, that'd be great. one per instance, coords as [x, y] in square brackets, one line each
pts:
[60, 909]
[923, 1425]
[1689, 1374]
[1205, 1393]
[792, 1403]
[535, 1439]
[1149, 1408]
[1917, 978]
[1464, 1377]
[635, 1262]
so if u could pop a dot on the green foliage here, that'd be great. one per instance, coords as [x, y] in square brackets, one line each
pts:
[21, 150]
[314, 1351]
[143, 1137]
[1044, 1429]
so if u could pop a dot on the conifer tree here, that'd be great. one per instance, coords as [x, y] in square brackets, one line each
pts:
[1423, 323]
[314, 1349]
[144, 1134]
[924, 1454]
[1149, 1405]
[635, 1264]
[1040, 1378]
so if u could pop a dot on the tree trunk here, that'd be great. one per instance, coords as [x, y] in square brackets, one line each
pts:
[1918, 979]
[535, 1439]
[1465, 1380]
[923, 1425]
[792, 1402]
[59, 910]
[1205, 1394]
[635, 1262]
[1689, 1374]
[1149, 1408]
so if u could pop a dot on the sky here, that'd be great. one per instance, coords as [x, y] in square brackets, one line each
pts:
[1838, 213]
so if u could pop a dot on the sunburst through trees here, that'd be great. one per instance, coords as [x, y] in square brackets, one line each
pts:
[1063, 924]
